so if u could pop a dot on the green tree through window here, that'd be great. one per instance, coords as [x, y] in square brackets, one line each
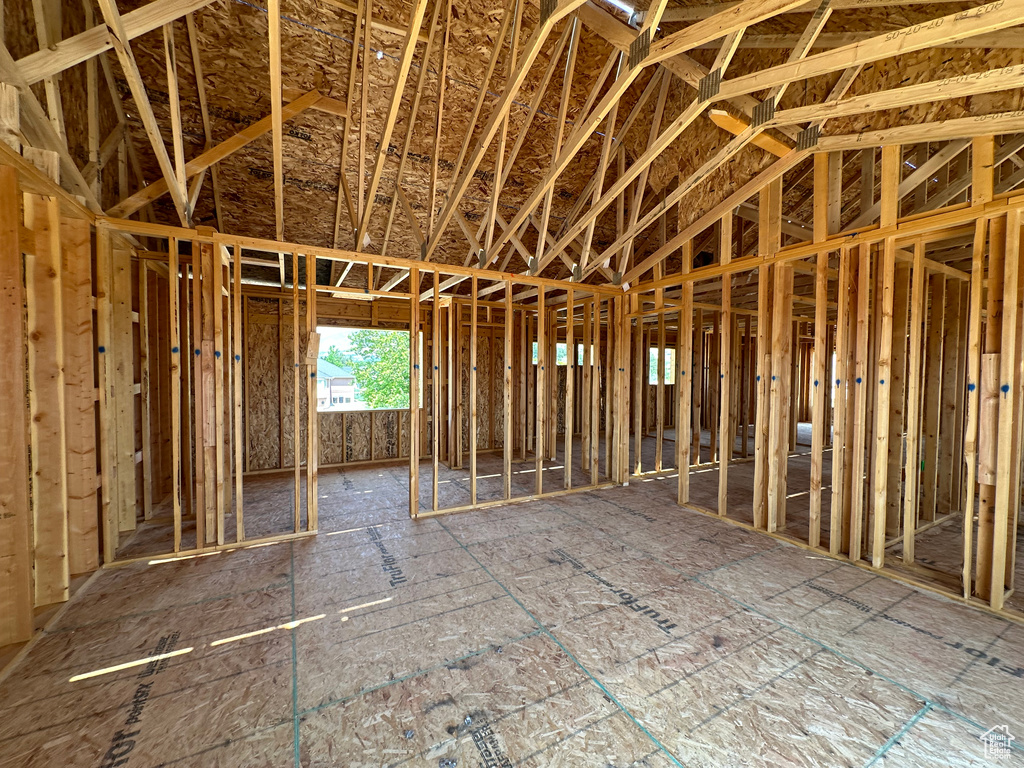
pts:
[379, 361]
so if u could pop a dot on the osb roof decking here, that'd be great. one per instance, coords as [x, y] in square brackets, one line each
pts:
[316, 50]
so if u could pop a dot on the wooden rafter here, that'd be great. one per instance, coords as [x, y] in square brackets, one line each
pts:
[122, 46]
[276, 118]
[402, 158]
[405, 62]
[531, 49]
[215, 154]
[711, 29]
[95, 40]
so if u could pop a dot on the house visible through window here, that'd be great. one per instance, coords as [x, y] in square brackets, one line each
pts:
[363, 369]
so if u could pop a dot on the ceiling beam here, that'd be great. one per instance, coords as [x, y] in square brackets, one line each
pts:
[121, 42]
[710, 29]
[215, 154]
[78, 48]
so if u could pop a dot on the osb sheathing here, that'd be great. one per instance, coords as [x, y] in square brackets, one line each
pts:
[262, 384]
[316, 49]
[344, 437]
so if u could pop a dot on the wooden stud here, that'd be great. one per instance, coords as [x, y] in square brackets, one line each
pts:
[80, 394]
[1008, 445]
[933, 400]
[570, 364]
[973, 393]
[539, 430]
[684, 389]
[507, 447]
[414, 392]
[473, 362]
[725, 425]
[16, 588]
[912, 472]
[435, 392]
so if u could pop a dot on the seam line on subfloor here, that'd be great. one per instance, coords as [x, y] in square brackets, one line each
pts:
[894, 739]
[571, 656]
[838, 653]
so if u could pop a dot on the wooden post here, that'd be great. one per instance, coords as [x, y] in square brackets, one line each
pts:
[891, 161]
[594, 398]
[973, 392]
[779, 389]
[819, 383]
[725, 429]
[297, 469]
[932, 399]
[769, 239]
[80, 394]
[239, 341]
[506, 392]
[541, 418]
[897, 414]
[1008, 446]
[16, 589]
[912, 470]
[47, 435]
[145, 405]
[312, 415]
[639, 387]
[174, 342]
[860, 417]
[586, 398]
[684, 368]
[414, 389]
[659, 403]
[570, 364]
[435, 391]
[698, 384]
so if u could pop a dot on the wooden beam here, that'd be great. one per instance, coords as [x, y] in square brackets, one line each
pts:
[121, 42]
[16, 588]
[737, 125]
[404, 63]
[215, 154]
[956, 26]
[889, 202]
[47, 426]
[276, 117]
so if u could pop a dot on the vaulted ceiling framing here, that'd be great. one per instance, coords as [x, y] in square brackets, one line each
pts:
[570, 140]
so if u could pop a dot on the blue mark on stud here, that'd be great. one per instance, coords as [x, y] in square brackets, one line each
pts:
[312, 374]
[174, 350]
[971, 387]
[198, 352]
[238, 357]
[881, 381]
[815, 382]
[681, 372]
[435, 367]
[217, 354]
[102, 350]
[1005, 388]
[858, 379]
[757, 378]
[721, 375]
[838, 382]
[773, 378]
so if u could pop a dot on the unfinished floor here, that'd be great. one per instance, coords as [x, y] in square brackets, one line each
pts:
[609, 628]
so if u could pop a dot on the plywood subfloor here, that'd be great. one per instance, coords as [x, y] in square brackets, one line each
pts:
[602, 629]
